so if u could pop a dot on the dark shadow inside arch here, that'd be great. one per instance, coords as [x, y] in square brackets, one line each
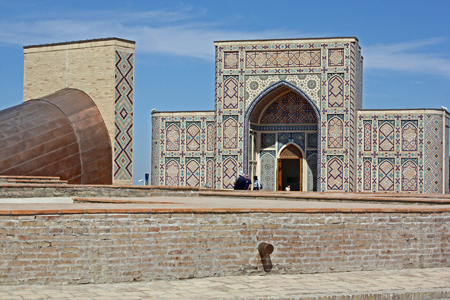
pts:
[258, 105]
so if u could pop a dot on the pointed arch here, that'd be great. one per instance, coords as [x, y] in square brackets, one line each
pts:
[259, 103]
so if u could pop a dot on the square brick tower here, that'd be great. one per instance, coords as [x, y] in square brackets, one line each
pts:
[102, 68]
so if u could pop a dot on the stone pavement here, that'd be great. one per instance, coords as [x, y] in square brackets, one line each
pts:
[392, 284]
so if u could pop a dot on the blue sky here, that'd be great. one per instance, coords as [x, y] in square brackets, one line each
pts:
[405, 45]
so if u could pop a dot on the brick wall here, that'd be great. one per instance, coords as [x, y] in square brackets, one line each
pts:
[120, 246]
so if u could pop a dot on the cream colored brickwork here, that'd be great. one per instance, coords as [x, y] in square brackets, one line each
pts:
[85, 65]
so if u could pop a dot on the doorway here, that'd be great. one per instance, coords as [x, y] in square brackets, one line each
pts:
[289, 169]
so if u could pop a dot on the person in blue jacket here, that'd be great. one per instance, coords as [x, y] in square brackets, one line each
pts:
[240, 182]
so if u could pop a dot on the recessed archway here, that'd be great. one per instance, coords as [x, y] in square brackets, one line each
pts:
[287, 128]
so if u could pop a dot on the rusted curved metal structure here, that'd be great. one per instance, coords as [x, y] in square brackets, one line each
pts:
[62, 134]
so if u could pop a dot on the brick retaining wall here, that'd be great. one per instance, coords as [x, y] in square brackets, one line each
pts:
[123, 245]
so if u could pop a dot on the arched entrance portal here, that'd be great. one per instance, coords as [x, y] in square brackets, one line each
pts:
[281, 139]
[290, 169]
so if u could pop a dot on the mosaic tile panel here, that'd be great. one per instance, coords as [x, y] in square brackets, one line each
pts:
[289, 108]
[268, 176]
[433, 156]
[409, 136]
[386, 174]
[367, 175]
[230, 93]
[308, 83]
[230, 171]
[173, 137]
[311, 178]
[172, 173]
[409, 175]
[124, 116]
[312, 140]
[193, 136]
[335, 173]
[193, 173]
[386, 134]
[367, 135]
[335, 132]
[335, 57]
[297, 138]
[210, 136]
[209, 183]
[230, 133]
[282, 59]
[188, 148]
[267, 140]
[231, 60]
[336, 91]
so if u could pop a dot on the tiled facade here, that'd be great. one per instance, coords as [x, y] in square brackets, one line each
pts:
[306, 93]
[402, 151]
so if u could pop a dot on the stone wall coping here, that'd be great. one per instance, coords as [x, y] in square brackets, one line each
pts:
[125, 210]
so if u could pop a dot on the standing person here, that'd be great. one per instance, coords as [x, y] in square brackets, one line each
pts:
[257, 185]
[288, 188]
[248, 183]
[240, 182]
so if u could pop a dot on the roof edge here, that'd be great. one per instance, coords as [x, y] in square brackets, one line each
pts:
[80, 42]
[353, 39]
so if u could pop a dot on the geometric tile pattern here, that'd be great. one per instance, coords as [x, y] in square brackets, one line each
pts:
[297, 138]
[282, 59]
[230, 133]
[335, 177]
[231, 60]
[124, 115]
[230, 171]
[367, 135]
[433, 156]
[289, 109]
[230, 93]
[267, 140]
[193, 173]
[335, 57]
[210, 136]
[336, 91]
[209, 183]
[193, 137]
[386, 135]
[386, 174]
[335, 133]
[268, 175]
[180, 154]
[409, 176]
[411, 142]
[409, 136]
[308, 83]
[172, 173]
[173, 137]
[367, 175]
[311, 162]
